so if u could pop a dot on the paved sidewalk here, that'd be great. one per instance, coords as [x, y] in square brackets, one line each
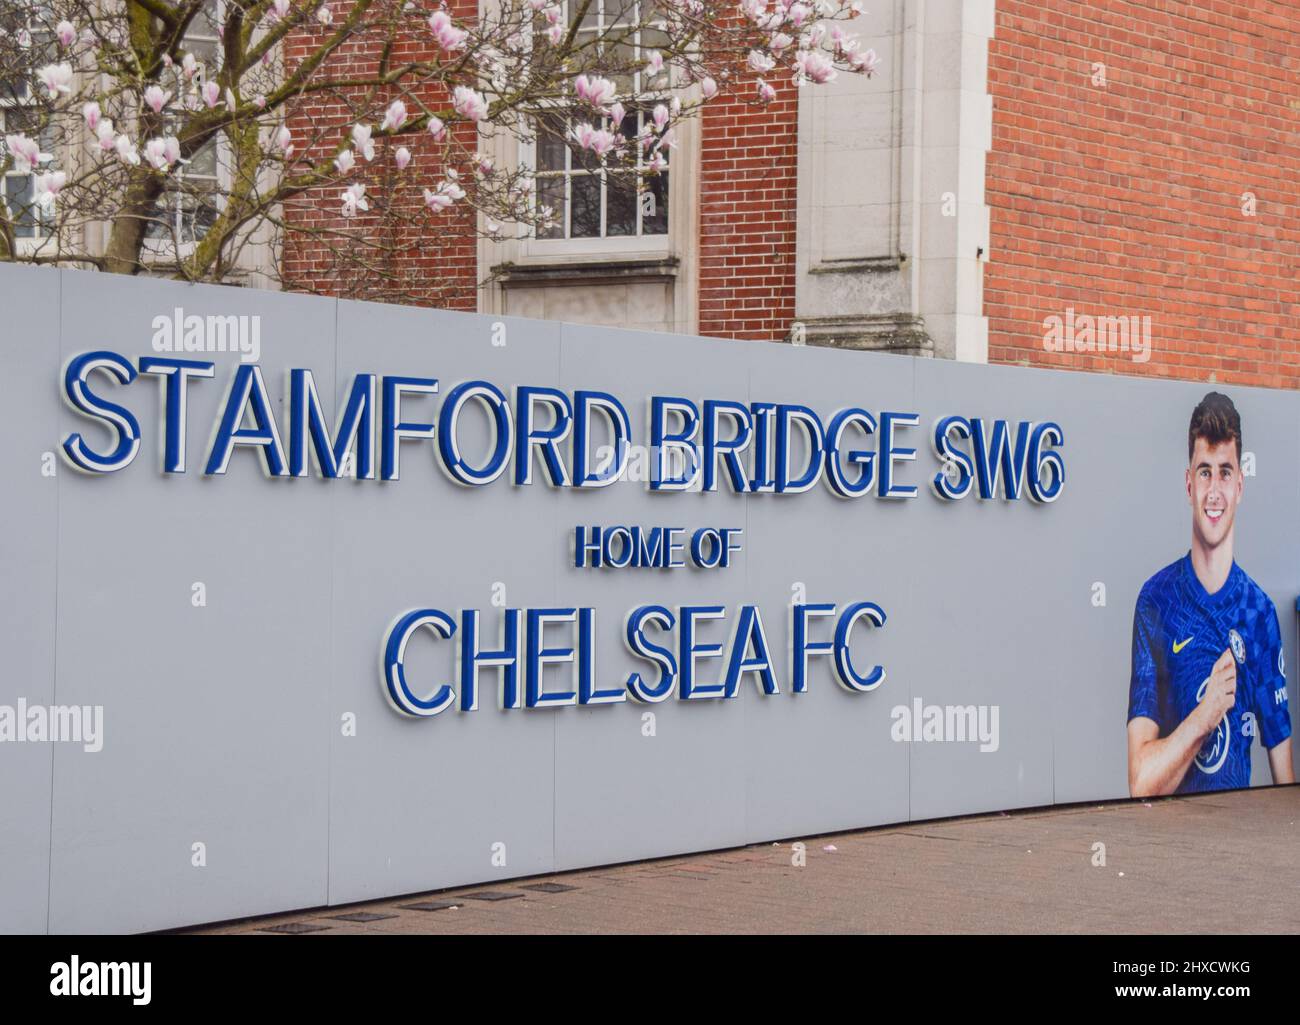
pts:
[1219, 863]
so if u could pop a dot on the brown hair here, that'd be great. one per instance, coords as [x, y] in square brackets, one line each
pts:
[1216, 420]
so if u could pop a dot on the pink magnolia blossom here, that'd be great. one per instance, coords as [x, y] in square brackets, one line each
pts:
[760, 61]
[26, 152]
[555, 33]
[766, 93]
[866, 62]
[362, 141]
[709, 88]
[189, 66]
[104, 132]
[345, 161]
[660, 116]
[814, 65]
[657, 163]
[354, 199]
[283, 140]
[279, 10]
[230, 99]
[47, 188]
[598, 140]
[616, 115]
[324, 15]
[155, 154]
[156, 99]
[448, 35]
[126, 150]
[436, 128]
[485, 165]
[91, 113]
[395, 117]
[67, 33]
[402, 158]
[656, 62]
[211, 92]
[597, 91]
[449, 192]
[780, 42]
[57, 78]
[259, 101]
[469, 104]
[437, 201]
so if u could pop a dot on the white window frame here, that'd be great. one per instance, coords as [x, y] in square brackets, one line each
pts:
[170, 246]
[627, 246]
[30, 245]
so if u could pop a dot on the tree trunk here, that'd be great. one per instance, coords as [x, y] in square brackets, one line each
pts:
[126, 237]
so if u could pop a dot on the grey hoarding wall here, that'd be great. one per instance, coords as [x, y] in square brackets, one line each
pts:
[230, 782]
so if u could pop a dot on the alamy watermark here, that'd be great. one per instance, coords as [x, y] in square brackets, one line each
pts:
[77, 978]
[1082, 332]
[180, 332]
[53, 724]
[644, 463]
[955, 724]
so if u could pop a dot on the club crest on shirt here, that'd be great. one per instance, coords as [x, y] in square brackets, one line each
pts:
[1214, 752]
[1238, 647]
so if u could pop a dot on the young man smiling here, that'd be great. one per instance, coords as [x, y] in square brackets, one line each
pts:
[1208, 672]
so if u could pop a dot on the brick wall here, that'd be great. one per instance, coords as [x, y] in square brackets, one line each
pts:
[746, 211]
[1127, 199]
[747, 215]
[403, 253]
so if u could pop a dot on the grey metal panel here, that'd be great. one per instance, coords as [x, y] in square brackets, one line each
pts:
[419, 804]
[29, 408]
[214, 716]
[824, 760]
[1007, 591]
[682, 788]
[1030, 621]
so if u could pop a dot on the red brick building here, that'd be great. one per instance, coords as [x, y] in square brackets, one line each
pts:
[1168, 188]
[1110, 186]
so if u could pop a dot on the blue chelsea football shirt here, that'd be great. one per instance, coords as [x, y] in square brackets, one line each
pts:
[1179, 632]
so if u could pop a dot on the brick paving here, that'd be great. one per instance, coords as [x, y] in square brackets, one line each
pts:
[1217, 863]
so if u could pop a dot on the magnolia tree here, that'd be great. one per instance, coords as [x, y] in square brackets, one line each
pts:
[192, 137]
